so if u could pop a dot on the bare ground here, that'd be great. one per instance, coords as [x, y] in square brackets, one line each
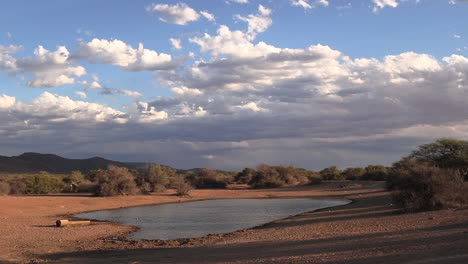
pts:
[370, 230]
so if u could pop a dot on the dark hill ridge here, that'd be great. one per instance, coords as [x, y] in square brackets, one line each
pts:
[31, 162]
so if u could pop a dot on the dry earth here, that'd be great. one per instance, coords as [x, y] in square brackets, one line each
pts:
[370, 230]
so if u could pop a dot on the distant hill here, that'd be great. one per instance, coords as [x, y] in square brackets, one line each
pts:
[35, 162]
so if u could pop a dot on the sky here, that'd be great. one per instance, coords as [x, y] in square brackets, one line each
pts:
[229, 84]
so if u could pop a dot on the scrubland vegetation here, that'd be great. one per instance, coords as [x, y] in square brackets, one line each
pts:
[431, 177]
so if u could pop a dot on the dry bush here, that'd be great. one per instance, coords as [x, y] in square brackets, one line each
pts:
[266, 177]
[86, 187]
[115, 181]
[420, 186]
[331, 173]
[275, 176]
[209, 178]
[245, 176]
[314, 180]
[180, 184]
[4, 188]
[155, 178]
[17, 186]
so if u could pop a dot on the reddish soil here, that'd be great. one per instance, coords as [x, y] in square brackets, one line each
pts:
[369, 230]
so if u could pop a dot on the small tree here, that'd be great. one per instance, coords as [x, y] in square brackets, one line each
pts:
[156, 178]
[445, 153]
[115, 181]
[180, 184]
[266, 177]
[375, 173]
[353, 173]
[74, 179]
[245, 175]
[43, 183]
[421, 186]
[331, 173]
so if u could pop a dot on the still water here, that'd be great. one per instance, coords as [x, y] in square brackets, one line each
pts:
[200, 218]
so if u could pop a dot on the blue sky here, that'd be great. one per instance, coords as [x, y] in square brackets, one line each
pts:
[240, 68]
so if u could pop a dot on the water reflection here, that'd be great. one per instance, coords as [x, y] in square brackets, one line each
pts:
[200, 218]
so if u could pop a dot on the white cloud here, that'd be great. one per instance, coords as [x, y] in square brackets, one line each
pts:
[238, 1]
[302, 3]
[457, 36]
[207, 15]
[257, 23]
[306, 5]
[49, 68]
[81, 94]
[176, 43]
[180, 13]
[104, 90]
[233, 43]
[380, 4]
[9, 35]
[6, 101]
[119, 53]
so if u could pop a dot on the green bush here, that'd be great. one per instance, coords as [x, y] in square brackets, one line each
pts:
[43, 183]
[115, 181]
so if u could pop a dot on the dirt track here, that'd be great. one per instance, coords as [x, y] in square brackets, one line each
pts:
[370, 230]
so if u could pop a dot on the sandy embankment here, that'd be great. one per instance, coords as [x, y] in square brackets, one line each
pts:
[370, 230]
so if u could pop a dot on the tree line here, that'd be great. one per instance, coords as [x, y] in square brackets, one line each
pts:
[433, 176]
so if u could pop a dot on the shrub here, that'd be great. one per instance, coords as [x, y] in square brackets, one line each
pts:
[276, 176]
[17, 186]
[73, 180]
[419, 186]
[266, 177]
[180, 184]
[353, 173]
[314, 180]
[155, 178]
[87, 187]
[209, 178]
[4, 188]
[115, 181]
[43, 183]
[448, 153]
[375, 173]
[331, 173]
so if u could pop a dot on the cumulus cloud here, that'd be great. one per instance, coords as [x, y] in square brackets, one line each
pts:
[380, 4]
[180, 13]
[48, 68]
[119, 53]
